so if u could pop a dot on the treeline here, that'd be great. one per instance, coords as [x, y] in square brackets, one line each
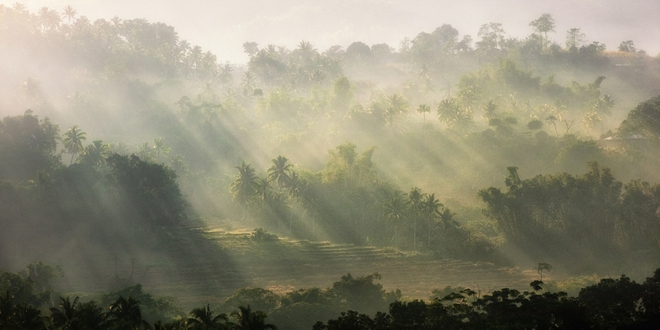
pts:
[351, 303]
[610, 304]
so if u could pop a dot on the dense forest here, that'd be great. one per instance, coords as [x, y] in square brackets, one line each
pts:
[121, 140]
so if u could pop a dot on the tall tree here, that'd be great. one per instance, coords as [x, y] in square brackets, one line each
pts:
[160, 148]
[415, 197]
[65, 317]
[126, 314]
[396, 104]
[280, 171]
[204, 319]
[73, 138]
[542, 26]
[69, 13]
[248, 319]
[431, 210]
[395, 211]
[244, 185]
[575, 38]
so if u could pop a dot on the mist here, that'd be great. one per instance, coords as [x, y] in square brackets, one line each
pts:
[233, 154]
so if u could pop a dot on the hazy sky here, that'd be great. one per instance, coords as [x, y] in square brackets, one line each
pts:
[223, 26]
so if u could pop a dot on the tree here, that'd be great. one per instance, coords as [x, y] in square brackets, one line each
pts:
[644, 119]
[250, 48]
[490, 110]
[248, 319]
[65, 317]
[91, 316]
[126, 314]
[395, 211]
[574, 39]
[431, 211]
[72, 139]
[280, 171]
[69, 13]
[203, 319]
[492, 37]
[160, 148]
[244, 185]
[95, 153]
[627, 46]
[452, 114]
[542, 26]
[396, 104]
[424, 109]
[415, 197]
[543, 267]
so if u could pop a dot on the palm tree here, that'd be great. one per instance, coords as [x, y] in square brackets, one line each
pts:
[395, 211]
[72, 140]
[280, 171]
[145, 152]
[415, 197]
[27, 317]
[65, 316]
[160, 148]
[423, 109]
[69, 13]
[203, 319]
[263, 191]
[249, 319]
[490, 109]
[431, 210]
[396, 104]
[247, 83]
[296, 187]
[91, 316]
[126, 314]
[245, 184]
[95, 153]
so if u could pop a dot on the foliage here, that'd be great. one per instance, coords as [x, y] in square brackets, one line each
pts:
[644, 119]
[547, 212]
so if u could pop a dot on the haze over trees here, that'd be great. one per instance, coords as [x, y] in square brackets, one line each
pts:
[120, 139]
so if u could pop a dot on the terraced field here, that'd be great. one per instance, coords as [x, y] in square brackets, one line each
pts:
[231, 260]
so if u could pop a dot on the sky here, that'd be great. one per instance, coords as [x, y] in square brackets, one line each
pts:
[222, 26]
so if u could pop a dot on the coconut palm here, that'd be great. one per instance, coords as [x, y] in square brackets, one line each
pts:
[72, 140]
[95, 153]
[160, 148]
[430, 208]
[490, 110]
[415, 197]
[27, 317]
[244, 186]
[395, 212]
[91, 316]
[203, 319]
[423, 109]
[69, 13]
[280, 171]
[126, 314]
[396, 104]
[248, 319]
[145, 152]
[65, 317]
